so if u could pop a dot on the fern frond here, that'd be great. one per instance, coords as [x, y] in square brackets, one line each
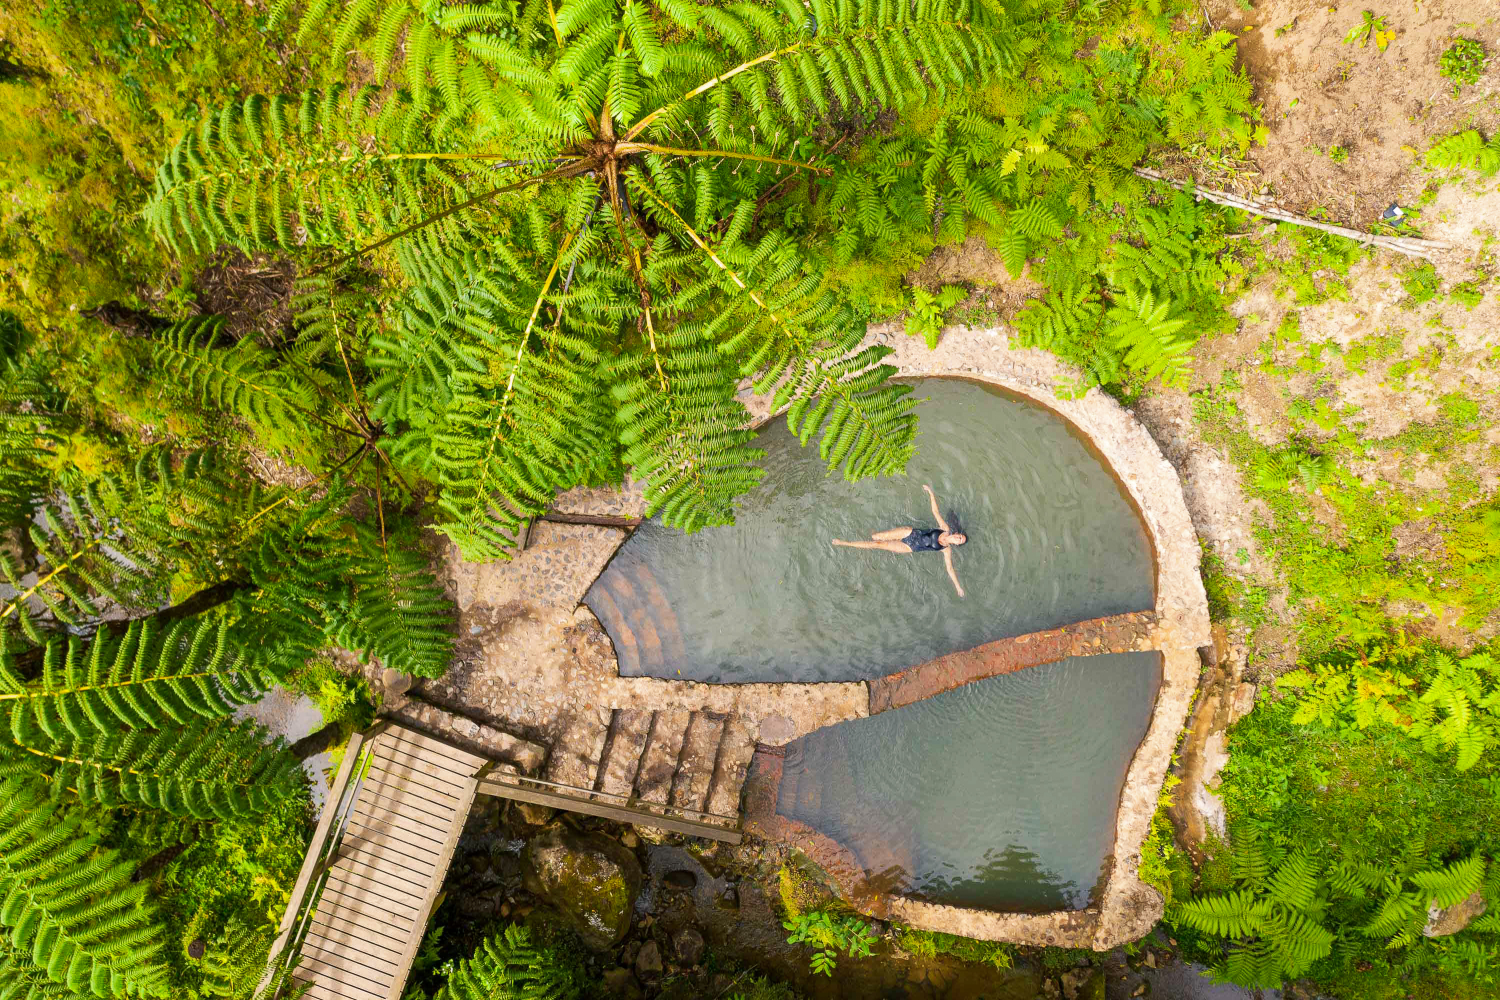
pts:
[149, 678]
[71, 905]
[204, 770]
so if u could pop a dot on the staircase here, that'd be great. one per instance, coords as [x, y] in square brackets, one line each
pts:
[679, 763]
[634, 610]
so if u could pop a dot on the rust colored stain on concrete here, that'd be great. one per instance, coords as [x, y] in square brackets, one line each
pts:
[1114, 634]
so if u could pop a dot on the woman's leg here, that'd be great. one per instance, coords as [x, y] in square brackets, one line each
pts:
[891, 534]
[900, 548]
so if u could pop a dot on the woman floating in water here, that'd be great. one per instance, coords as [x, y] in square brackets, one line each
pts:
[908, 540]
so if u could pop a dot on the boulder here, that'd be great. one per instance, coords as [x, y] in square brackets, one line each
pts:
[591, 879]
[621, 983]
[1441, 922]
[532, 814]
[687, 947]
[648, 961]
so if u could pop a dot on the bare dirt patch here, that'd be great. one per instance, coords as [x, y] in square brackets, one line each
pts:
[1383, 108]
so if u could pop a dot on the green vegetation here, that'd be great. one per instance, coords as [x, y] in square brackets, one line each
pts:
[1466, 150]
[1372, 27]
[830, 933]
[507, 965]
[1348, 818]
[929, 944]
[927, 312]
[279, 287]
[1463, 62]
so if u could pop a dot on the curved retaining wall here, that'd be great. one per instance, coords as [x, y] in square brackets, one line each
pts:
[1177, 626]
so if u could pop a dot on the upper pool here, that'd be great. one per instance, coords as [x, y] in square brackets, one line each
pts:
[1052, 540]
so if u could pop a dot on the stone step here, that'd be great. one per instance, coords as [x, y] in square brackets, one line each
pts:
[663, 752]
[628, 731]
[736, 747]
[627, 649]
[470, 734]
[629, 595]
[700, 749]
[673, 651]
[579, 748]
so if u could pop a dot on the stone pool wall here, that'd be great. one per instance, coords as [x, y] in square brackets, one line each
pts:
[532, 660]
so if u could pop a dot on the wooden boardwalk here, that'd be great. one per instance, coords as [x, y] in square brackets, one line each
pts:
[379, 857]
[398, 804]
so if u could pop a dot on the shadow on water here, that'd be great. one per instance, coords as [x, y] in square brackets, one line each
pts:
[1052, 540]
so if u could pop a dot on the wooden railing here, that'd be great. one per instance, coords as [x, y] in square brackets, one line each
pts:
[621, 808]
[322, 852]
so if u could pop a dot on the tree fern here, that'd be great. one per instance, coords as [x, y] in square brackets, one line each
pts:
[22, 979]
[71, 907]
[204, 770]
[397, 611]
[518, 339]
[508, 967]
[1451, 706]
[151, 677]
[239, 379]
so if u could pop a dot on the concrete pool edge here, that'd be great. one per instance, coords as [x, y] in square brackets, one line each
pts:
[1177, 626]
[1128, 907]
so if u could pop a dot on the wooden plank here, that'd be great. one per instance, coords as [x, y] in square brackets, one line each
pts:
[382, 794]
[371, 871]
[339, 921]
[621, 814]
[435, 745]
[393, 851]
[361, 855]
[318, 991]
[329, 969]
[422, 778]
[369, 905]
[349, 963]
[321, 991]
[395, 753]
[471, 788]
[380, 832]
[350, 949]
[410, 828]
[606, 520]
[314, 849]
[425, 747]
[377, 947]
[399, 904]
[354, 911]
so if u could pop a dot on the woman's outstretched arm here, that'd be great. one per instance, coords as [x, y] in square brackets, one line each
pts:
[952, 573]
[936, 514]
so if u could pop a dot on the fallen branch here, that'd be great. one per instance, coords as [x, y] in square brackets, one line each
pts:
[1408, 245]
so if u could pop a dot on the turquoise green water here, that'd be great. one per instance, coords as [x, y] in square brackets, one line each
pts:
[1000, 794]
[1052, 540]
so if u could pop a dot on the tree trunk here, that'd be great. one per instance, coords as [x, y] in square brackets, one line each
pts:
[29, 663]
[153, 865]
[315, 743]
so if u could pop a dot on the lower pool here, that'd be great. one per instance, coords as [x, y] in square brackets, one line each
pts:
[999, 795]
[1052, 540]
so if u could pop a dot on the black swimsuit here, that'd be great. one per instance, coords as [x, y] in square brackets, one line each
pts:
[924, 541]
